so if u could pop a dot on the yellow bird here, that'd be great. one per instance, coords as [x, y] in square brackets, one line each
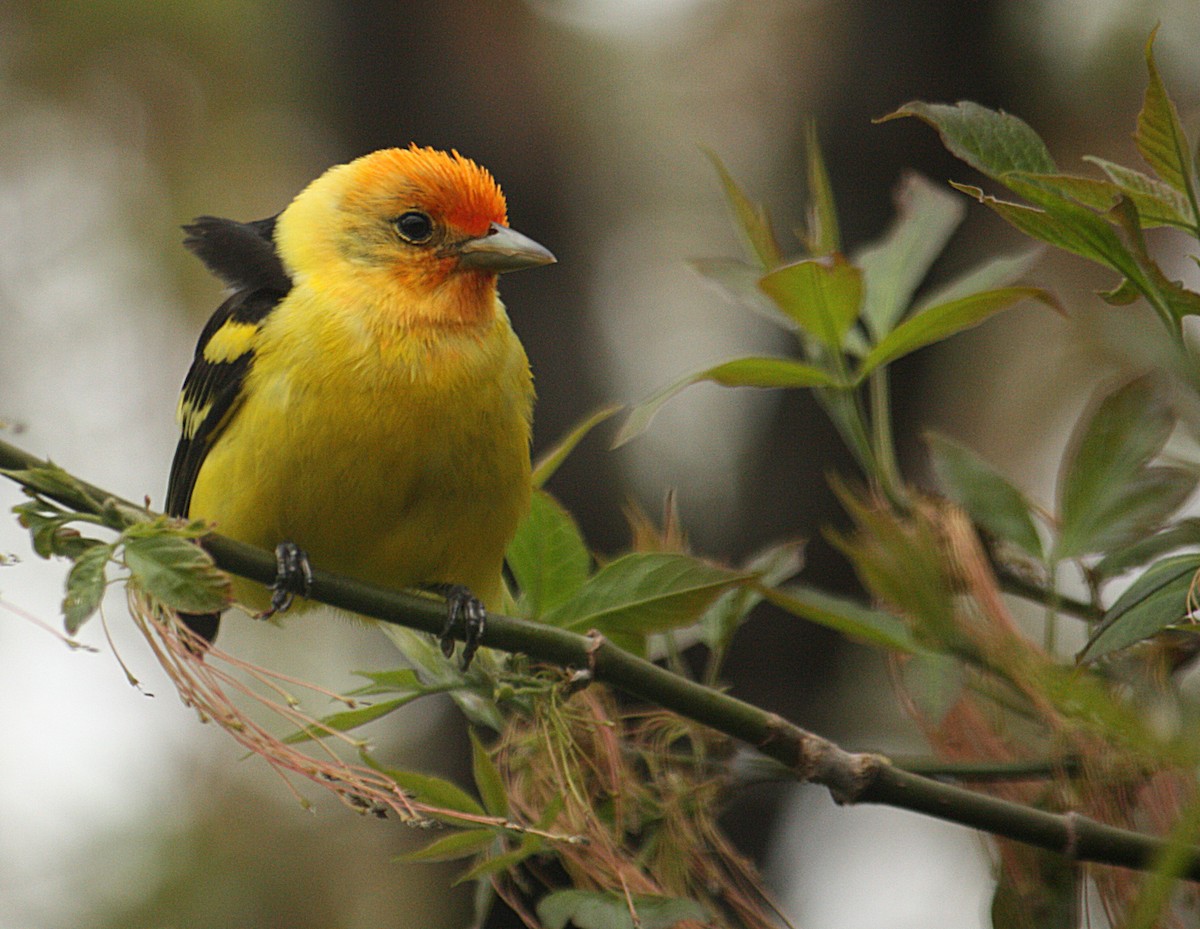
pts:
[361, 396]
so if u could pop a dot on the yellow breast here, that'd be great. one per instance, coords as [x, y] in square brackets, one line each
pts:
[391, 453]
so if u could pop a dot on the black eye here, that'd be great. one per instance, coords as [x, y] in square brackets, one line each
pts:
[415, 227]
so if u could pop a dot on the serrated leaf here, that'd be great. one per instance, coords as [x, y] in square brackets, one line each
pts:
[588, 909]
[1108, 496]
[346, 720]
[41, 531]
[1068, 226]
[86, 584]
[893, 267]
[823, 295]
[70, 544]
[644, 592]
[751, 219]
[822, 236]
[545, 466]
[993, 142]
[436, 791]
[487, 779]
[547, 556]
[1094, 193]
[738, 280]
[937, 323]
[764, 372]
[1159, 136]
[464, 844]
[178, 572]
[1156, 600]
[1158, 203]
[1182, 534]
[851, 619]
[989, 499]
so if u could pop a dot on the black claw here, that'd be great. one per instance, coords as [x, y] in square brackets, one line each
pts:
[293, 577]
[464, 614]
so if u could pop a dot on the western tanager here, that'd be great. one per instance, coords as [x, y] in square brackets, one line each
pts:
[361, 394]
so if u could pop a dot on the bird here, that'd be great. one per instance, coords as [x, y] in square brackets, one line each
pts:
[360, 399]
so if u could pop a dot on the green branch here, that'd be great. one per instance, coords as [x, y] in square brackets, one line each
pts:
[850, 777]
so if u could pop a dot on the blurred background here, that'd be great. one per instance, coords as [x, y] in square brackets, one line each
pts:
[122, 119]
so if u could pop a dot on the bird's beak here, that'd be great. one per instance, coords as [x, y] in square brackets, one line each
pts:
[502, 249]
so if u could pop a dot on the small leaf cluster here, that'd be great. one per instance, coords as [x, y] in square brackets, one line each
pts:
[1118, 498]
[1100, 219]
[159, 555]
[851, 315]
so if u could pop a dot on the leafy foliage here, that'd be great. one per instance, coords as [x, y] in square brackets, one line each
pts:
[625, 799]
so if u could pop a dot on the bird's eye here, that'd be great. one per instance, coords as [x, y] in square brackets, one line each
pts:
[415, 227]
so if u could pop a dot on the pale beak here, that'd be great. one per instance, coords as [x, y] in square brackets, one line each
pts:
[502, 249]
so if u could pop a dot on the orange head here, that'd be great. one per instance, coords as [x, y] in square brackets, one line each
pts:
[424, 227]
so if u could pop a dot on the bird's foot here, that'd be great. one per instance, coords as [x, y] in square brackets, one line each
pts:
[465, 615]
[293, 578]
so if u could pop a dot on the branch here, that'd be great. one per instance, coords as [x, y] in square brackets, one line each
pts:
[1013, 583]
[849, 777]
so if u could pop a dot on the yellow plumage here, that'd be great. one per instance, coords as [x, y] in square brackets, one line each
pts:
[380, 415]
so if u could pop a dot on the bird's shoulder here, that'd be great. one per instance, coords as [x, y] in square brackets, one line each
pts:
[244, 256]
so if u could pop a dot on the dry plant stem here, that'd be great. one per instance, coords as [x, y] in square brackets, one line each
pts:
[850, 777]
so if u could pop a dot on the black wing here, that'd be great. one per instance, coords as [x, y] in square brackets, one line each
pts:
[243, 255]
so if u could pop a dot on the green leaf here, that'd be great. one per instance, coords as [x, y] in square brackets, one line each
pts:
[1108, 496]
[774, 566]
[50, 480]
[1093, 193]
[1170, 298]
[1182, 534]
[392, 680]
[934, 682]
[989, 499]
[487, 778]
[823, 295]
[547, 556]
[530, 845]
[1159, 136]
[42, 526]
[86, 583]
[851, 619]
[762, 372]
[1156, 600]
[593, 909]
[893, 267]
[178, 572]
[992, 142]
[464, 844]
[1068, 226]
[346, 720]
[750, 218]
[1158, 203]
[822, 236]
[937, 323]
[643, 593]
[552, 458]
[989, 274]
[436, 791]
[739, 281]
